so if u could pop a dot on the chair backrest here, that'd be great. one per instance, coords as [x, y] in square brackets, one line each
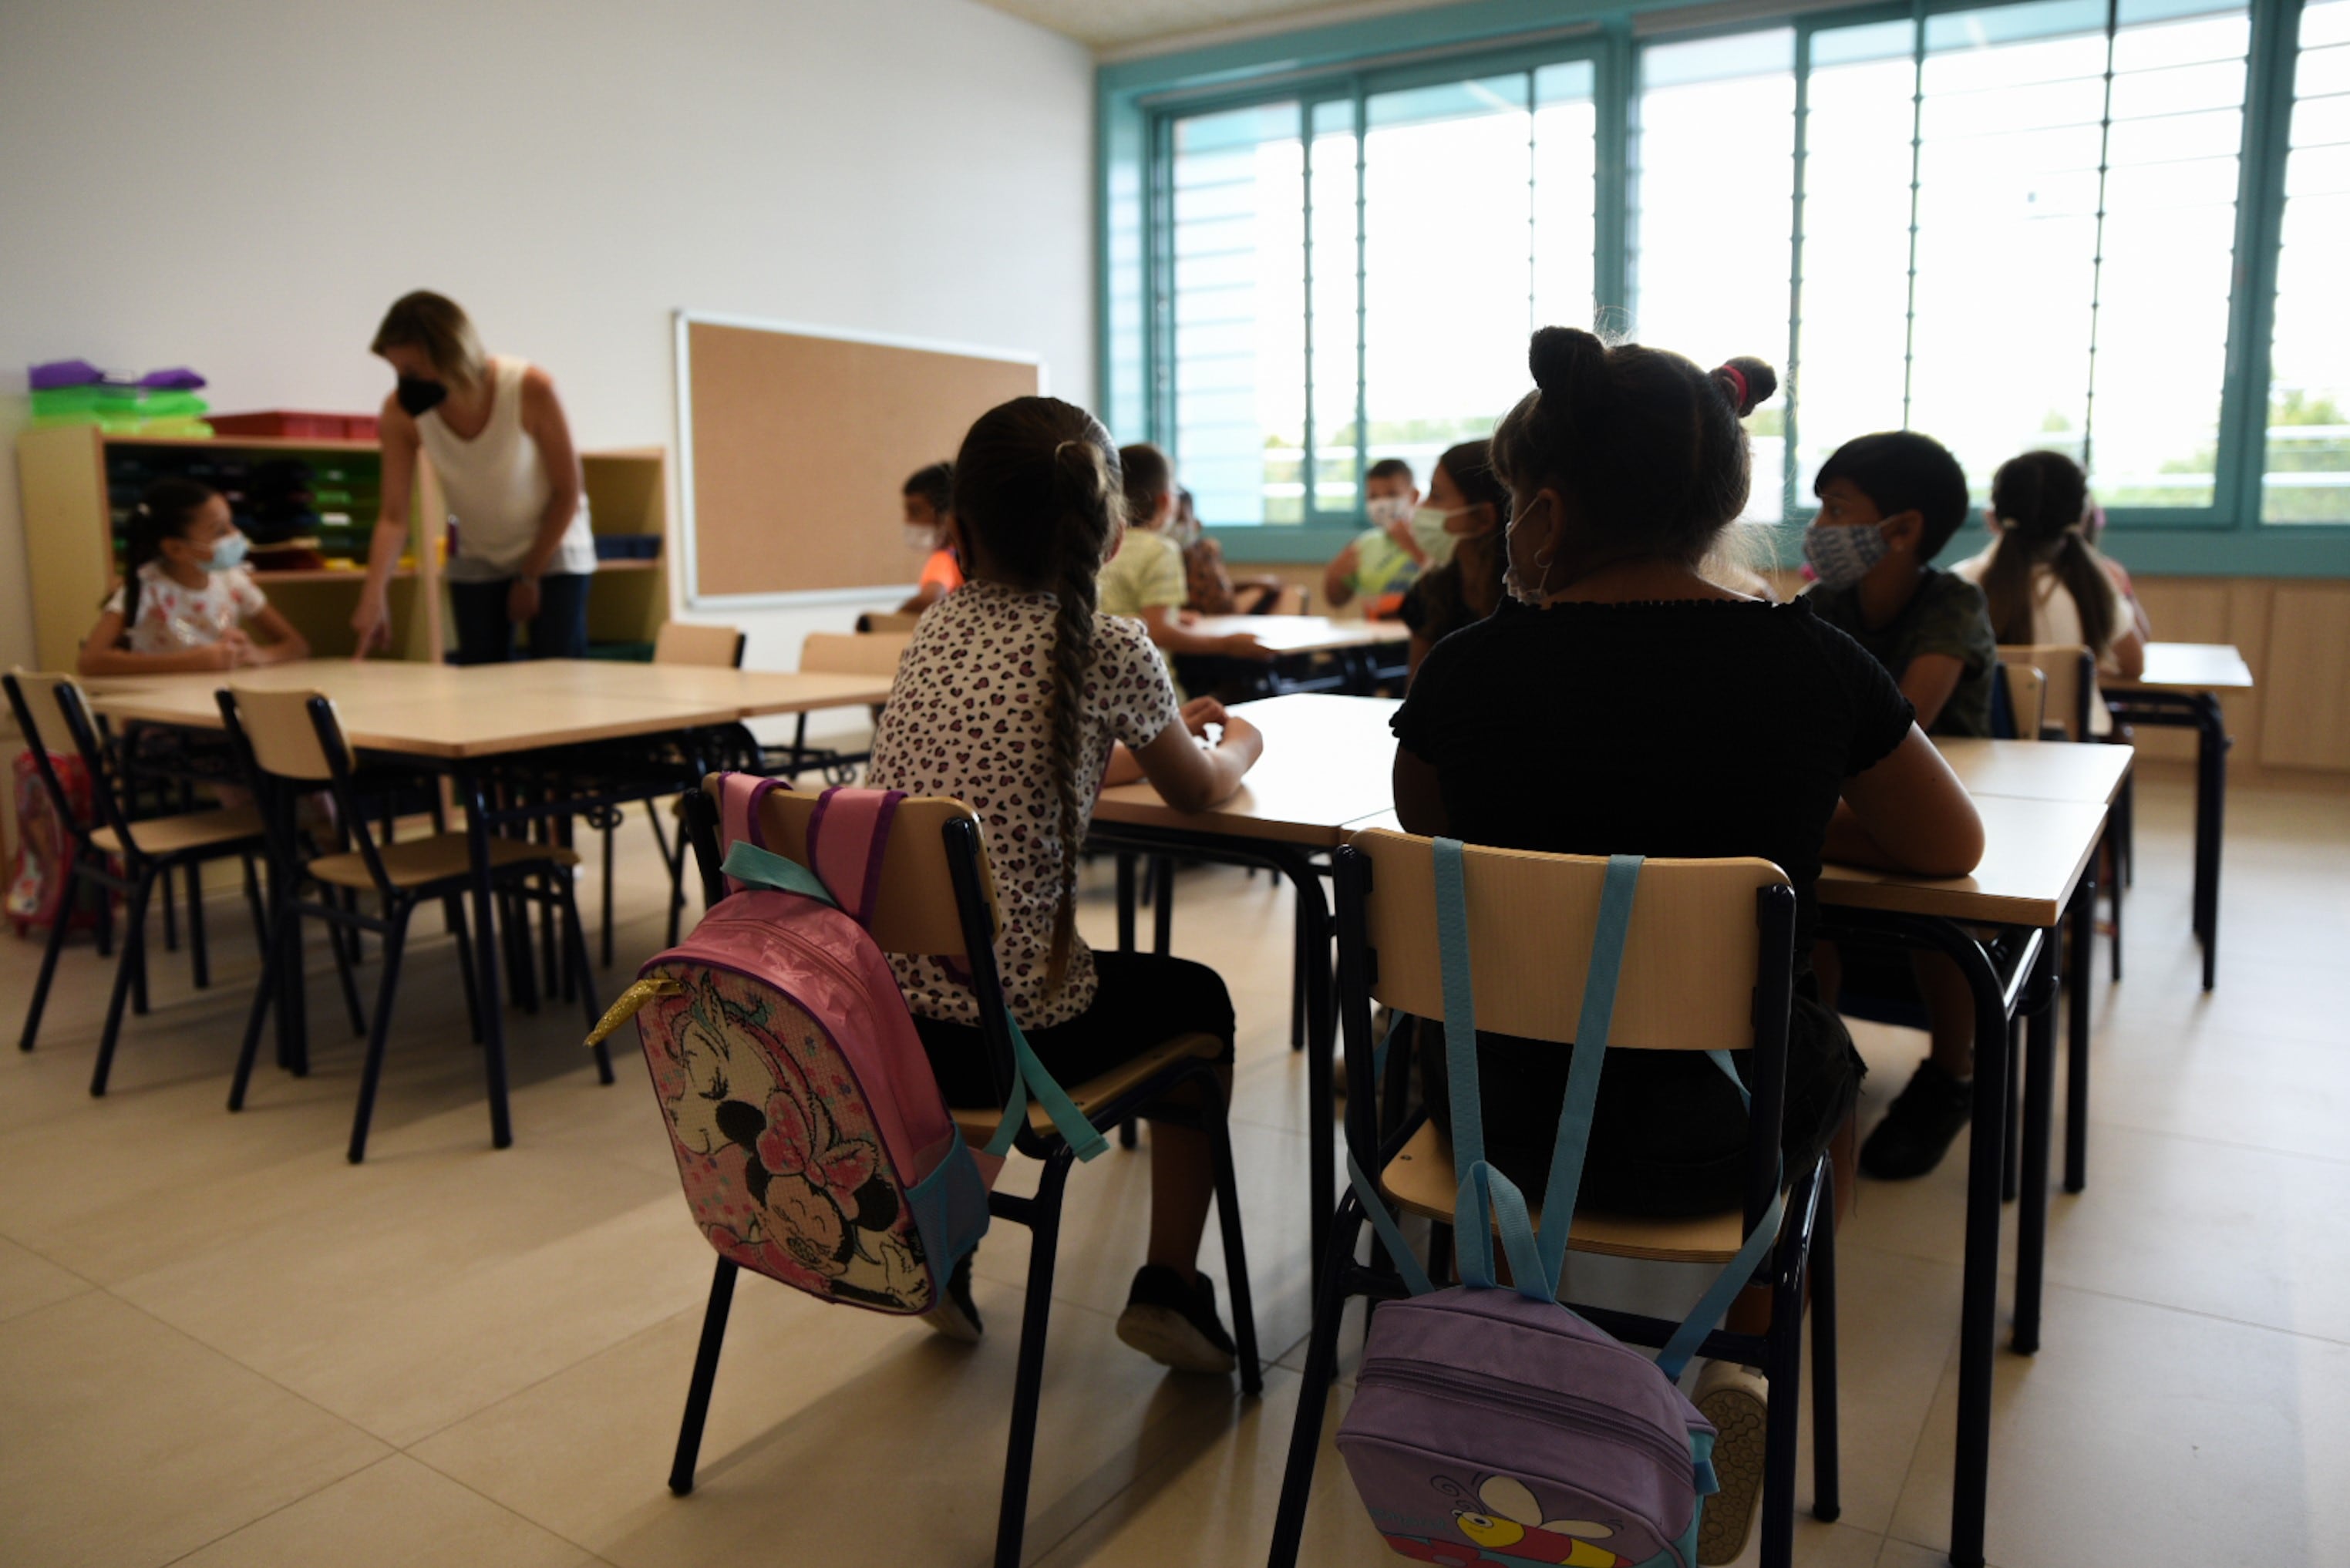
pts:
[2070, 671]
[37, 697]
[886, 621]
[285, 735]
[915, 910]
[859, 653]
[2027, 697]
[1690, 957]
[713, 647]
[1291, 600]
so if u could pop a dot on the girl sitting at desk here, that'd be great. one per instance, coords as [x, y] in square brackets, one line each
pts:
[186, 596]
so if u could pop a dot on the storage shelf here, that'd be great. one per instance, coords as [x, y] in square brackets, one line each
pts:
[323, 574]
[246, 443]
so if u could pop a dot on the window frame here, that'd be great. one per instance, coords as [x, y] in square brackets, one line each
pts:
[1495, 37]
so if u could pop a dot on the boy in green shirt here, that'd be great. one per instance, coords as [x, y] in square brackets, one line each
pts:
[1385, 559]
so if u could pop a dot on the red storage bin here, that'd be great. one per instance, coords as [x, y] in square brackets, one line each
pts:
[288, 424]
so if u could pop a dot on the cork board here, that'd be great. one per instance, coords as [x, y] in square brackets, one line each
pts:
[795, 443]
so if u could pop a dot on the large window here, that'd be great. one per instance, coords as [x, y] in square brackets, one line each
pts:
[2038, 224]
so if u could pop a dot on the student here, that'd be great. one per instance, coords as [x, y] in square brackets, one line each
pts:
[1381, 563]
[1208, 587]
[1623, 703]
[1468, 506]
[2043, 581]
[2093, 530]
[1010, 696]
[929, 496]
[1889, 503]
[185, 595]
[1144, 580]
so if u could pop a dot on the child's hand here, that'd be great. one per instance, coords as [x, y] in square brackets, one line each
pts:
[1244, 644]
[1400, 530]
[1201, 711]
[1187, 618]
[233, 649]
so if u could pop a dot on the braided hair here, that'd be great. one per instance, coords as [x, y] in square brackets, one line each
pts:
[166, 510]
[1646, 449]
[2042, 500]
[1037, 487]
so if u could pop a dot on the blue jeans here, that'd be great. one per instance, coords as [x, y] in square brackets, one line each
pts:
[485, 635]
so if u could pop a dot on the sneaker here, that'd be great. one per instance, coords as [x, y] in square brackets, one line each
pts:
[955, 1316]
[1736, 1400]
[1917, 1132]
[1174, 1323]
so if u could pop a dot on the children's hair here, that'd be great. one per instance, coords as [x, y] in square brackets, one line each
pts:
[166, 509]
[1470, 464]
[934, 484]
[1038, 488]
[1902, 470]
[2042, 500]
[1646, 449]
[439, 325]
[1149, 477]
[1389, 468]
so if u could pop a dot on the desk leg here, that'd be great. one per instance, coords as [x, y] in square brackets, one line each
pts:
[2210, 813]
[1126, 863]
[486, 959]
[2039, 1117]
[1162, 903]
[1321, 1042]
[2082, 966]
[1977, 1321]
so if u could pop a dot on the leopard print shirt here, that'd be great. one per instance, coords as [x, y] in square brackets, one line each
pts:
[967, 717]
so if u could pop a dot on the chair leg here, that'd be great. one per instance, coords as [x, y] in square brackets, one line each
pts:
[1827, 1488]
[2011, 1180]
[134, 944]
[199, 960]
[1321, 1371]
[105, 922]
[53, 945]
[253, 901]
[394, 939]
[273, 963]
[705, 1373]
[170, 917]
[607, 937]
[345, 958]
[452, 916]
[126, 975]
[1783, 1375]
[576, 942]
[674, 854]
[1236, 1277]
[1028, 1386]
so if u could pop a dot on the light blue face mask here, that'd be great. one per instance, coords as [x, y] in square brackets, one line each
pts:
[228, 554]
[1840, 555]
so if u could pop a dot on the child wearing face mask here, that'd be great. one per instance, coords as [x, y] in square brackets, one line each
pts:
[185, 596]
[1210, 587]
[1889, 503]
[1465, 512]
[1383, 562]
[929, 496]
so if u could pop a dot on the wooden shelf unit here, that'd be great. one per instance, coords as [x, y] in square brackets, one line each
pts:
[69, 542]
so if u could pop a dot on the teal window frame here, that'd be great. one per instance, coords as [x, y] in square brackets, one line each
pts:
[1138, 101]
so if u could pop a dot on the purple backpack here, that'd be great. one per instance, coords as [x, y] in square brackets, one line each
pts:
[809, 1132]
[1492, 1428]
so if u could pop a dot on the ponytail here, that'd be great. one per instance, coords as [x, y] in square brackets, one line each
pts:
[2041, 501]
[165, 510]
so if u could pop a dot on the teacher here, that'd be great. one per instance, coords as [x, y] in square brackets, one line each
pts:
[523, 555]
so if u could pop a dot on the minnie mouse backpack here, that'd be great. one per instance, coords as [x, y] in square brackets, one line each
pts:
[809, 1132]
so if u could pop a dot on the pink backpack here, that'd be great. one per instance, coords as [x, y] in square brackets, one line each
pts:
[809, 1132]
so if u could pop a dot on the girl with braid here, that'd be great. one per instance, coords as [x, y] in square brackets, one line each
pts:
[1010, 698]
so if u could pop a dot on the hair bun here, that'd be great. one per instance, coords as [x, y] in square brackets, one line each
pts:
[1562, 356]
[1747, 382]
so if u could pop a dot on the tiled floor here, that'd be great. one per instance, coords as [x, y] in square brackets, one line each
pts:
[221, 1344]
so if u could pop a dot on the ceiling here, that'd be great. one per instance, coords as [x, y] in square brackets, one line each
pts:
[1120, 23]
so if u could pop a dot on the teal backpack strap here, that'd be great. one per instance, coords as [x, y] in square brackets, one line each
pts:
[1709, 1310]
[1029, 1077]
[1400, 1252]
[1591, 1028]
[757, 867]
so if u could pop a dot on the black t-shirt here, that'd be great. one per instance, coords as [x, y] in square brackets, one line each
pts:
[1946, 615]
[1697, 728]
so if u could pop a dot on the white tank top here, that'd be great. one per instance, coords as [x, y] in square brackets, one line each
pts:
[497, 488]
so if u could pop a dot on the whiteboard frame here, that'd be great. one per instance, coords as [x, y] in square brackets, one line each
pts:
[688, 532]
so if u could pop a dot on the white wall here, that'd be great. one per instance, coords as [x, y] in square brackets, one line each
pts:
[242, 186]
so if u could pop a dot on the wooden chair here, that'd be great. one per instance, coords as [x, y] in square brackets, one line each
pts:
[1708, 964]
[2024, 690]
[862, 652]
[152, 851]
[292, 745]
[936, 897]
[888, 621]
[2070, 672]
[708, 647]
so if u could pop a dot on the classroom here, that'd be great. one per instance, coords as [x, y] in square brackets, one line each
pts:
[1082, 783]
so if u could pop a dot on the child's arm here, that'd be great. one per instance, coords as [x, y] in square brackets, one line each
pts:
[1125, 767]
[287, 642]
[1419, 804]
[1190, 776]
[1929, 682]
[1175, 637]
[1908, 813]
[99, 656]
[1339, 579]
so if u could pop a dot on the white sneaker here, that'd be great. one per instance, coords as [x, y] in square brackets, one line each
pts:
[955, 1314]
[1737, 1401]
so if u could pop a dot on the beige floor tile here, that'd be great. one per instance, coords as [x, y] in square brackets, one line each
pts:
[128, 1443]
[854, 1438]
[2140, 1434]
[395, 1513]
[29, 1281]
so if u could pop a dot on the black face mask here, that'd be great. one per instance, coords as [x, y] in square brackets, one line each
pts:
[418, 396]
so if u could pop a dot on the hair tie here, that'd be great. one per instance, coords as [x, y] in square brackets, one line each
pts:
[143, 510]
[1738, 382]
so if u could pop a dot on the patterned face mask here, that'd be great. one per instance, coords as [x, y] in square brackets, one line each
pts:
[1842, 555]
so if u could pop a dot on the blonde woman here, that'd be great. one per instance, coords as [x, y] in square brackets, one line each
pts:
[503, 450]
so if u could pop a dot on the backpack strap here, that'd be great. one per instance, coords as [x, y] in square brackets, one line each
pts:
[748, 866]
[847, 835]
[739, 798]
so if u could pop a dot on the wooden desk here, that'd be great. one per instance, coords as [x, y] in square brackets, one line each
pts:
[1328, 761]
[2039, 770]
[1305, 633]
[2180, 689]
